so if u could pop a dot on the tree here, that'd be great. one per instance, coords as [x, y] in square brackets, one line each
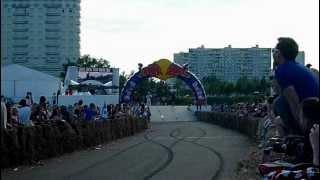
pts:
[88, 61]
[122, 80]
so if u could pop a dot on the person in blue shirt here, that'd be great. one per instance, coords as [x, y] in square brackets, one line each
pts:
[296, 82]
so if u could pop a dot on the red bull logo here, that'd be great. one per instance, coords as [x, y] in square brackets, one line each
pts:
[164, 69]
[153, 70]
[175, 70]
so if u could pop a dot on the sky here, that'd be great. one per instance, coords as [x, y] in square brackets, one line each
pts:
[128, 32]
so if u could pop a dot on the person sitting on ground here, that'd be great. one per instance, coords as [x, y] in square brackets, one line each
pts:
[24, 113]
[296, 84]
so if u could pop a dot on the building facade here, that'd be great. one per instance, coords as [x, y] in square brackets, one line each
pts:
[300, 58]
[227, 63]
[40, 34]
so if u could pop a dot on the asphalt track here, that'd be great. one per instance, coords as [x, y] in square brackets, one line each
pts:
[185, 150]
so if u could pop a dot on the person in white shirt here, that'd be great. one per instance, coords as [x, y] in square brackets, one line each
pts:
[3, 115]
[24, 113]
[148, 97]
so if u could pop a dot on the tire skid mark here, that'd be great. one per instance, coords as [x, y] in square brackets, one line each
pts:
[169, 152]
[104, 160]
[221, 163]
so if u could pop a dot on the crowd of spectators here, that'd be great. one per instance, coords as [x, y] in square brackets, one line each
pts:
[294, 111]
[242, 109]
[29, 113]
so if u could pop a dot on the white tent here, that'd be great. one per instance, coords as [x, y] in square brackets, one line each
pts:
[108, 84]
[17, 80]
[92, 82]
[72, 82]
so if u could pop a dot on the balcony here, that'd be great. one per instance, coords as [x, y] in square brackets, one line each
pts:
[20, 53]
[21, 30]
[19, 60]
[52, 22]
[21, 5]
[52, 38]
[21, 38]
[21, 46]
[52, 53]
[53, 60]
[20, 22]
[53, 14]
[52, 46]
[53, 5]
[52, 30]
[20, 14]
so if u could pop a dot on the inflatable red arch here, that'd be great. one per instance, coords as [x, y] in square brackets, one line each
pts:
[163, 70]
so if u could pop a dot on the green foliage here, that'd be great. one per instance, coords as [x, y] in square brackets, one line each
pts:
[214, 86]
[122, 80]
[233, 99]
[88, 61]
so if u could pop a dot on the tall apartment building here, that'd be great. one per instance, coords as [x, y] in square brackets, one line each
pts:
[227, 63]
[40, 34]
[300, 58]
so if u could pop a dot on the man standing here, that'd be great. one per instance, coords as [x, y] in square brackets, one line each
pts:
[3, 115]
[296, 84]
[24, 113]
[148, 97]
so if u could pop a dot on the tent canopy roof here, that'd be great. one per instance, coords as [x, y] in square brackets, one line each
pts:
[92, 82]
[13, 72]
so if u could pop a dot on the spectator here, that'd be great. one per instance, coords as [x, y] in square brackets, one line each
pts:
[3, 99]
[56, 114]
[268, 123]
[24, 113]
[296, 83]
[314, 71]
[65, 114]
[43, 101]
[14, 116]
[28, 100]
[104, 112]
[314, 140]
[309, 114]
[90, 112]
[3, 115]
[35, 111]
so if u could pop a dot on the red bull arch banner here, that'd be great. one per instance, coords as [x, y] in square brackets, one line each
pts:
[163, 70]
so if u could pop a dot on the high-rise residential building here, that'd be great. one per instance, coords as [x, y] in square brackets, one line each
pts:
[40, 34]
[227, 63]
[300, 58]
